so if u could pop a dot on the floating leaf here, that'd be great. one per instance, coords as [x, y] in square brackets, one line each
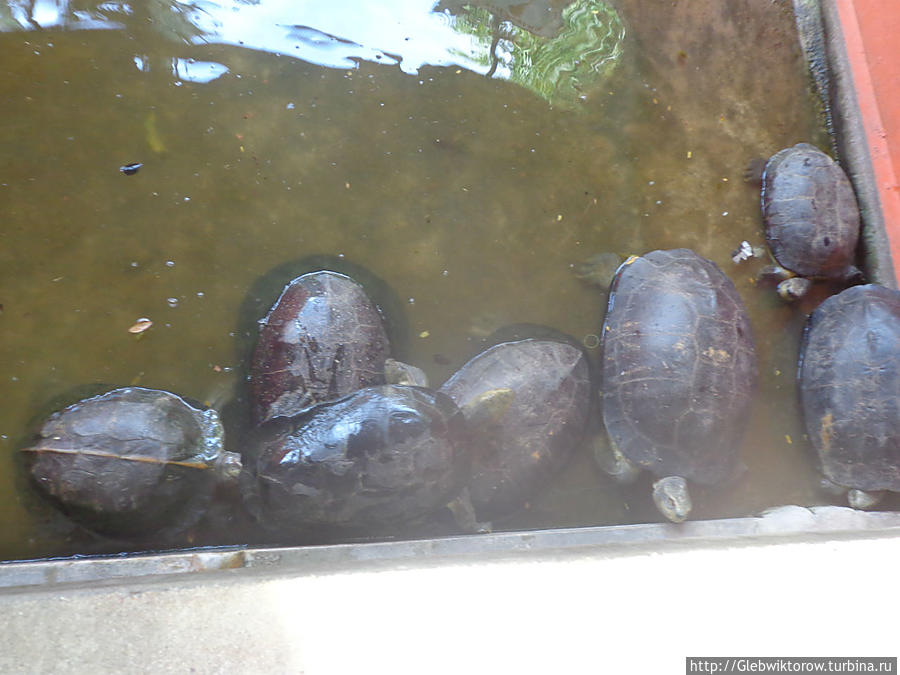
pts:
[140, 326]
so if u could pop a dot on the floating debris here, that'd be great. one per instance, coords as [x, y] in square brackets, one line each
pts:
[140, 326]
[743, 252]
[131, 169]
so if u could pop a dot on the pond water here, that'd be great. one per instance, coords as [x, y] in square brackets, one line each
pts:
[269, 131]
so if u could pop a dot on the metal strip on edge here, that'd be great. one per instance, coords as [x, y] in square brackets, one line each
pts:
[778, 525]
[862, 147]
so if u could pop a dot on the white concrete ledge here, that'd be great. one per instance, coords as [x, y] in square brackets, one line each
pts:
[632, 599]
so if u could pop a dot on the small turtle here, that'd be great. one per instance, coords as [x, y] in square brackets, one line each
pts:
[849, 378]
[678, 373]
[811, 219]
[323, 339]
[526, 404]
[131, 462]
[385, 455]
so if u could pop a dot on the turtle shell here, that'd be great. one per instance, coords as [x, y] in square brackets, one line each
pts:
[810, 212]
[131, 461]
[323, 339]
[383, 455]
[678, 366]
[520, 447]
[849, 379]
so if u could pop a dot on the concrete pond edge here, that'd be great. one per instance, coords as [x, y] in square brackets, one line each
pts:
[785, 524]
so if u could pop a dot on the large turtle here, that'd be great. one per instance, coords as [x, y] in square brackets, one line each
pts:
[678, 372]
[131, 462]
[811, 219]
[324, 338]
[527, 405]
[384, 455]
[849, 377]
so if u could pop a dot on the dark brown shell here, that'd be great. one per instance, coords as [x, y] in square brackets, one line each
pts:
[679, 366]
[849, 379]
[516, 454]
[322, 340]
[382, 455]
[130, 461]
[810, 212]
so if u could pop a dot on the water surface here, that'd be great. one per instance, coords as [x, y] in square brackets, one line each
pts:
[271, 131]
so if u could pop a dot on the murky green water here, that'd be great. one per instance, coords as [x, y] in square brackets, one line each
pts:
[471, 196]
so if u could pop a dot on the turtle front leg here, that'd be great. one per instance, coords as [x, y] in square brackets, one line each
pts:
[464, 514]
[612, 461]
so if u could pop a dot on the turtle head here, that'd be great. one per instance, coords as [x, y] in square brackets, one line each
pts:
[794, 288]
[228, 468]
[672, 499]
[397, 372]
[862, 500]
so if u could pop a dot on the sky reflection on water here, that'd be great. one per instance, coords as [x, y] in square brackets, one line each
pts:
[559, 52]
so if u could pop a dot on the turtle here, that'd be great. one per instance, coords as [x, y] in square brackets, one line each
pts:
[849, 382]
[811, 219]
[526, 404]
[678, 373]
[323, 339]
[385, 455]
[131, 462]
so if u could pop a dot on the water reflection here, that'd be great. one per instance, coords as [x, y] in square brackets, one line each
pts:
[187, 70]
[559, 51]
[469, 194]
[60, 14]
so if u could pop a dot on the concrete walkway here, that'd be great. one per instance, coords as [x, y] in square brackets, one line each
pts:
[630, 599]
